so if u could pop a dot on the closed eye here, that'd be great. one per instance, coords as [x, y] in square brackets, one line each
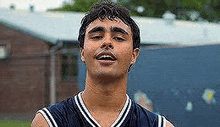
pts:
[119, 39]
[96, 37]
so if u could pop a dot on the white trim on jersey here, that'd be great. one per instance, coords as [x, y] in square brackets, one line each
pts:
[164, 121]
[123, 114]
[49, 118]
[86, 111]
[45, 116]
[161, 121]
[128, 102]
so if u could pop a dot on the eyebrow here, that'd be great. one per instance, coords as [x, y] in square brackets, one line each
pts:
[118, 30]
[113, 29]
[97, 29]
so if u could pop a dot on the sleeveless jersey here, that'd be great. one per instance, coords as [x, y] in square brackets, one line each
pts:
[73, 113]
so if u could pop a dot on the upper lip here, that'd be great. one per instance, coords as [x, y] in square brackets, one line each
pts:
[108, 54]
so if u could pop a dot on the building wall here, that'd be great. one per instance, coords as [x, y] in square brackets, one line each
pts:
[25, 75]
[22, 76]
[64, 89]
[175, 79]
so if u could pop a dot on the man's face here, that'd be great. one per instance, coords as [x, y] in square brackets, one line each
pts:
[108, 48]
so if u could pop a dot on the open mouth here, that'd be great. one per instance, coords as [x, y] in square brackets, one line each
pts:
[106, 57]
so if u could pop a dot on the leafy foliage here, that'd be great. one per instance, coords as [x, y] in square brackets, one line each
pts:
[183, 9]
[78, 6]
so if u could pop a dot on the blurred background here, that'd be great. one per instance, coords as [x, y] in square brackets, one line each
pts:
[177, 74]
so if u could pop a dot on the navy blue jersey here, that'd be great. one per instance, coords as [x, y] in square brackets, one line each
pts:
[73, 113]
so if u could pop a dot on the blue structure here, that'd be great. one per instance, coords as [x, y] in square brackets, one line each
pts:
[173, 77]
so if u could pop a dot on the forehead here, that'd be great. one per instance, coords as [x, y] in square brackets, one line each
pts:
[108, 24]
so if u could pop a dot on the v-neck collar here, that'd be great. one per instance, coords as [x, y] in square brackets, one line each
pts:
[85, 112]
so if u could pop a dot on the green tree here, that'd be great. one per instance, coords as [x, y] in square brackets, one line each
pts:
[78, 6]
[211, 10]
[152, 8]
[208, 9]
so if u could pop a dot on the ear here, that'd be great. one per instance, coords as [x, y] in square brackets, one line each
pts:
[82, 55]
[135, 55]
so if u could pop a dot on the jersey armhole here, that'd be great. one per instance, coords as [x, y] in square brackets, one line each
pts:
[48, 117]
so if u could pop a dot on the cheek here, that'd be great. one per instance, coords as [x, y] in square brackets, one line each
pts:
[88, 49]
[126, 55]
[88, 54]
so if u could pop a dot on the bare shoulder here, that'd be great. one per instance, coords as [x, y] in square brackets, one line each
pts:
[39, 121]
[168, 124]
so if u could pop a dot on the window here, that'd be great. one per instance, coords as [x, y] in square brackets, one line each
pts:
[69, 67]
[4, 51]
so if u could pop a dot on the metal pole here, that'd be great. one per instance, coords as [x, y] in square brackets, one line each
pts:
[52, 79]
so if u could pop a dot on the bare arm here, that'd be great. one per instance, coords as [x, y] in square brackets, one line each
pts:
[168, 124]
[39, 121]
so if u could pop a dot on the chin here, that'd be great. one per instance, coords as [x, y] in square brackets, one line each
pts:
[110, 74]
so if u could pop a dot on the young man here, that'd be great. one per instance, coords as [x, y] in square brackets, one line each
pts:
[109, 41]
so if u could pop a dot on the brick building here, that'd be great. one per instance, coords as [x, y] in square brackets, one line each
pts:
[26, 64]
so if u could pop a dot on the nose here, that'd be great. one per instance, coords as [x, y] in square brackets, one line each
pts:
[107, 44]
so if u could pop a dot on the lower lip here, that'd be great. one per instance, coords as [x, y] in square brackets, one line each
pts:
[106, 62]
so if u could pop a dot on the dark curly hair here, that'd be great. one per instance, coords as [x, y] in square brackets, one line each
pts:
[109, 10]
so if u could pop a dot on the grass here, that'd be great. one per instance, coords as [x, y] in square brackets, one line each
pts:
[11, 123]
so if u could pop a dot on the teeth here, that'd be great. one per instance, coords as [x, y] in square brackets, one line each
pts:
[105, 57]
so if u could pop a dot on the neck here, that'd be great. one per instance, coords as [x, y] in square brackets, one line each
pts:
[105, 98]
[106, 94]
